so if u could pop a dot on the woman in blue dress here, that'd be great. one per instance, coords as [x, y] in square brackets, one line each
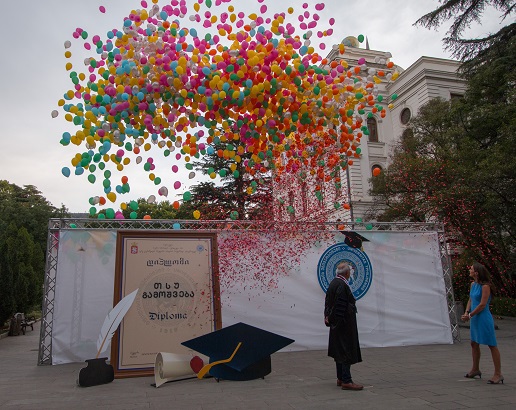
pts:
[482, 328]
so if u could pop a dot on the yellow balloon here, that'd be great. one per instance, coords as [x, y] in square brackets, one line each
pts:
[196, 214]
[111, 196]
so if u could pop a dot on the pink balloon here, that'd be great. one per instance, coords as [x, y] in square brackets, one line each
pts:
[177, 185]
[102, 9]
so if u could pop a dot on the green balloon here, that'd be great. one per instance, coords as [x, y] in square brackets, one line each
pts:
[110, 213]
[360, 38]
[133, 205]
[133, 215]
[101, 216]
[187, 196]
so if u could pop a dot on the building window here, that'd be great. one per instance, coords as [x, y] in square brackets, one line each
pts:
[372, 126]
[304, 199]
[291, 205]
[376, 170]
[405, 116]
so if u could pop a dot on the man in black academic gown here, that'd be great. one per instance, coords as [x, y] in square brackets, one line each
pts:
[340, 315]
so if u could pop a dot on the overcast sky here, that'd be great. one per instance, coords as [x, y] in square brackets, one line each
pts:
[33, 78]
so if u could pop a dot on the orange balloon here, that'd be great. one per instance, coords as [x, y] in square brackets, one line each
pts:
[147, 217]
[176, 205]
[376, 172]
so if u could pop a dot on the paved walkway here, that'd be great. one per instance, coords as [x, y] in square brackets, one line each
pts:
[411, 377]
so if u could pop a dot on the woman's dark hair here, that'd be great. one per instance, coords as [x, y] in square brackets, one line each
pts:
[484, 278]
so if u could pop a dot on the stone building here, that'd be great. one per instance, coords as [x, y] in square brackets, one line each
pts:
[425, 79]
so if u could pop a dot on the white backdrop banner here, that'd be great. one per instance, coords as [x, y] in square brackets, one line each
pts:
[275, 281]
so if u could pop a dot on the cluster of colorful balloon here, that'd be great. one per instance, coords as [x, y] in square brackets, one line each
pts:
[187, 79]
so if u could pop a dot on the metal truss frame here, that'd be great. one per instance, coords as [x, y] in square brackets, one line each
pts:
[56, 225]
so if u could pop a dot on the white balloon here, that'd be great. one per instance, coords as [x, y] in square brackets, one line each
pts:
[151, 199]
[67, 44]
[55, 113]
[163, 191]
[191, 175]
[138, 159]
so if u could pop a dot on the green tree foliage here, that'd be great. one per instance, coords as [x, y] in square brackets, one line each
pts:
[27, 208]
[24, 216]
[156, 210]
[464, 13]
[18, 266]
[7, 299]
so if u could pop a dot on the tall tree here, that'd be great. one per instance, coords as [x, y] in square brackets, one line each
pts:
[27, 207]
[7, 295]
[156, 210]
[24, 216]
[463, 14]
[243, 194]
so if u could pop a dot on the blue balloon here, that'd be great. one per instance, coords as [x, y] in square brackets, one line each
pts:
[176, 226]
[65, 171]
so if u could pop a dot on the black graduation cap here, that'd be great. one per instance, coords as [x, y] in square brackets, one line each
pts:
[248, 347]
[353, 239]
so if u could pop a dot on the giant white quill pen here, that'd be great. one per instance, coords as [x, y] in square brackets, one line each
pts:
[112, 321]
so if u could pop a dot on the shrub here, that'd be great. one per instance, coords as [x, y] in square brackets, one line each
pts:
[503, 306]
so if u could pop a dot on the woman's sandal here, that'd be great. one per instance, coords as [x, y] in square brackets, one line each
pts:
[491, 381]
[472, 375]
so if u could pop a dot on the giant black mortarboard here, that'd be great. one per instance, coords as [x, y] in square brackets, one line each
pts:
[252, 359]
[353, 239]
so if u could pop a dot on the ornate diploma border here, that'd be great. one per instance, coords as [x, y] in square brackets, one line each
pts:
[178, 298]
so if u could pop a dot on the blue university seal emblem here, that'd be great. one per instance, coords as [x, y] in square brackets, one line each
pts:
[361, 269]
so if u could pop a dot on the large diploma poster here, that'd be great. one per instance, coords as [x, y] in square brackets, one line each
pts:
[178, 297]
